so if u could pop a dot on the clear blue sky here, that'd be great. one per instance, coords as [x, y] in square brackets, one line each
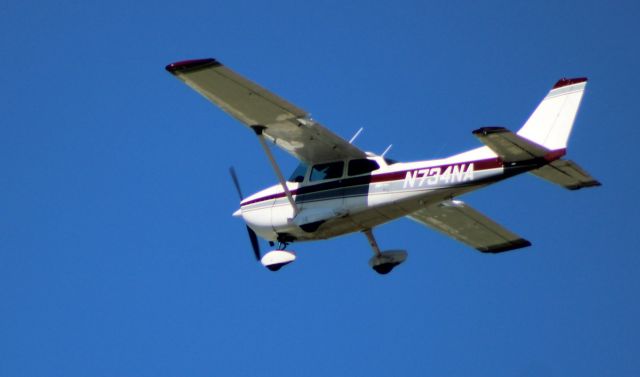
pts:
[119, 255]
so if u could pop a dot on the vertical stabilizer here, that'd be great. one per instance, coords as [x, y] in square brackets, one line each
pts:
[550, 124]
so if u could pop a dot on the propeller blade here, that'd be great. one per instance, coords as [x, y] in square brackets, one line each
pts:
[253, 237]
[254, 243]
[234, 177]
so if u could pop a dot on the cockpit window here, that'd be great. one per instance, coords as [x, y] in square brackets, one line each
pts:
[362, 166]
[390, 161]
[330, 170]
[298, 174]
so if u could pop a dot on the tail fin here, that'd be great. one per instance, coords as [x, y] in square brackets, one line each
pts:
[550, 124]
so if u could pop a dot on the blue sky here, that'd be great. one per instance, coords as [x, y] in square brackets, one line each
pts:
[119, 255]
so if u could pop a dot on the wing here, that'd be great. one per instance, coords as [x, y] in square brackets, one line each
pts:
[463, 223]
[287, 125]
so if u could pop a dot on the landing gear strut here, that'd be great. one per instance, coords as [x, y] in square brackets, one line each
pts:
[383, 261]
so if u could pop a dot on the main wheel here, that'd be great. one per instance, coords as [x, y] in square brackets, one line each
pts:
[384, 268]
[387, 261]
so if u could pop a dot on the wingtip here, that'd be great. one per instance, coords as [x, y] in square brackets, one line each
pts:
[190, 65]
[588, 184]
[567, 81]
[510, 245]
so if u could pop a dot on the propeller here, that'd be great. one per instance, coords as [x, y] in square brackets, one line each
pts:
[253, 237]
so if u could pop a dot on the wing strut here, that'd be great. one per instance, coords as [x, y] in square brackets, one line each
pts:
[258, 130]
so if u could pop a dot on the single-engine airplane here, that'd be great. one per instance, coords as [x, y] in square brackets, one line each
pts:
[339, 188]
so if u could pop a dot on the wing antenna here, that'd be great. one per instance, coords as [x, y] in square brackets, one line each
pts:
[353, 138]
[386, 150]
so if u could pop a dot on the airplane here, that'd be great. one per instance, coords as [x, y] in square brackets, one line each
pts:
[339, 189]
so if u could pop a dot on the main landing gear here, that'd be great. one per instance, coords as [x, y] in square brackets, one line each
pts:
[383, 261]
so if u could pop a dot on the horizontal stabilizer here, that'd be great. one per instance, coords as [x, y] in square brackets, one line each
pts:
[511, 147]
[463, 223]
[566, 174]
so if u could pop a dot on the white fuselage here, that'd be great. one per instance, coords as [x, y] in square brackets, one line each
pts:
[350, 203]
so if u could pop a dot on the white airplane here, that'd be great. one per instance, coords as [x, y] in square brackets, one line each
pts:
[339, 189]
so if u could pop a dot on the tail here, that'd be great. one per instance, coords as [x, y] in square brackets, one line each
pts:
[544, 137]
[550, 124]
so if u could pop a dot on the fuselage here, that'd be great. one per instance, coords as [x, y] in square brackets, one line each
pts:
[343, 201]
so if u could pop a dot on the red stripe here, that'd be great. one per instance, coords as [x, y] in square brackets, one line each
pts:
[566, 82]
[491, 163]
[189, 65]
[554, 155]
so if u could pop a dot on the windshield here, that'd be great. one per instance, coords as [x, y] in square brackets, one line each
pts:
[298, 174]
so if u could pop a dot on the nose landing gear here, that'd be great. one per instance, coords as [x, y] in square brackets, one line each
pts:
[383, 261]
[276, 259]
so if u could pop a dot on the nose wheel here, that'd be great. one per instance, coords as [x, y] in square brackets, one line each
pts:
[383, 262]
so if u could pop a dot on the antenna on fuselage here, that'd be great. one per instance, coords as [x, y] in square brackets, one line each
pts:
[353, 138]
[386, 150]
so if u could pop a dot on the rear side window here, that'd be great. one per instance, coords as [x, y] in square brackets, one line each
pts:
[326, 171]
[362, 166]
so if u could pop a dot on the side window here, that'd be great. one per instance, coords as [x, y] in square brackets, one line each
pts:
[326, 171]
[298, 174]
[362, 166]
